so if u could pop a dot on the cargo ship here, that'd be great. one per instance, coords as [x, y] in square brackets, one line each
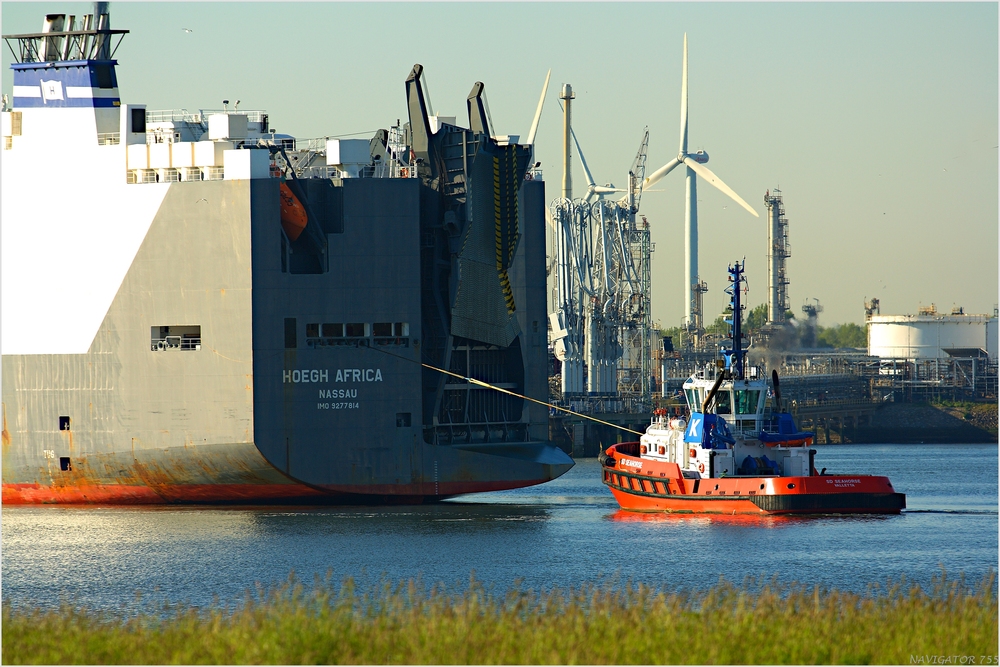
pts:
[733, 453]
[196, 308]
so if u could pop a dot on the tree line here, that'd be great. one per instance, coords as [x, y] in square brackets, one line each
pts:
[837, 336]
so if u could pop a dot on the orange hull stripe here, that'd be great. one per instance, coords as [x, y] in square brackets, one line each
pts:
[122, 494]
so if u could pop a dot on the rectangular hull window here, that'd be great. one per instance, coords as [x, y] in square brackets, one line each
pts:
[185, 337]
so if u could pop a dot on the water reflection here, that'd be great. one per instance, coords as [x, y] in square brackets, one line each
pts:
[750, 520]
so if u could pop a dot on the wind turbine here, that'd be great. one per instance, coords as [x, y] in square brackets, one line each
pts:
[593, 190]
[695, 166]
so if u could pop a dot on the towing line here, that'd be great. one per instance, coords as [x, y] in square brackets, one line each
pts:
[487, 385]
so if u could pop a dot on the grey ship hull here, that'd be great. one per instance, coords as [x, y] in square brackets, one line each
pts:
[260, 409]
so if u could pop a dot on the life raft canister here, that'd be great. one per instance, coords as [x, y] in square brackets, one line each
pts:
[293, 214]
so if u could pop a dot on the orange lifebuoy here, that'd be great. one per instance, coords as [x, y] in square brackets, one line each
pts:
[701, 467]
[692, 453]
[663, 450]
[642, 449]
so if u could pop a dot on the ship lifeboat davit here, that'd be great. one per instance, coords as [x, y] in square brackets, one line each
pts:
[293, 213]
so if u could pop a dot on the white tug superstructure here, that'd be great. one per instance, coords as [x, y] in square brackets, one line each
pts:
[747, 436]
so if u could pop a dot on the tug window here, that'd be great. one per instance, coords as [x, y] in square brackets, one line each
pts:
[746, 401]
[723, 403]
[692, 399]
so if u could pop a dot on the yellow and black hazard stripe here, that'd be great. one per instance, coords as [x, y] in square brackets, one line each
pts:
[505, 217]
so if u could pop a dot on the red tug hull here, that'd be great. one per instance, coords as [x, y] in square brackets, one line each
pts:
[644, 485]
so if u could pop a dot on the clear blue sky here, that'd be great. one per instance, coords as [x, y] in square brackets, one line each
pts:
[878, 121]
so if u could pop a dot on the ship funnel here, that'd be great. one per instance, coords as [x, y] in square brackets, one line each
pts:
[102, 22]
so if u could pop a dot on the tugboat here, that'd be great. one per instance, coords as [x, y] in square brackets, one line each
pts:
[735, 454]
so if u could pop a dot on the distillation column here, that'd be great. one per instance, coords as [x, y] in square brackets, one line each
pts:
[778, 251]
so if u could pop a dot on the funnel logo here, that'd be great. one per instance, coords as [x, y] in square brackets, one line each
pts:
[52, 91]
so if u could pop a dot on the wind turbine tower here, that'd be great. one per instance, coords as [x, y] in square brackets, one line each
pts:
[694, 166]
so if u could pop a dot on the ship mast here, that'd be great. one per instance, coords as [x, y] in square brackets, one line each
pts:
[736, 356]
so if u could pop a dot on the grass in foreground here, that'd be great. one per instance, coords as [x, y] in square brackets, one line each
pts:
[758, 624]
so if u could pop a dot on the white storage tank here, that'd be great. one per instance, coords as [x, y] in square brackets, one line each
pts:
[928, 334]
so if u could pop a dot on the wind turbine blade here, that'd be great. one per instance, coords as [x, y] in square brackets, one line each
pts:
[605, 190]
[684, 101]
[707, 174]
[538, 111]
[655, 177]
[583, 160]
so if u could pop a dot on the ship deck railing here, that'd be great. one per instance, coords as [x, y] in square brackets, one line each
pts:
[199, 116]
[175, 343]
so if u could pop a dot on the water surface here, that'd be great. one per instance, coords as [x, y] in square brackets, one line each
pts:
[563, 533]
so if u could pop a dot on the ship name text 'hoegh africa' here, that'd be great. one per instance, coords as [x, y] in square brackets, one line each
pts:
[343, 375]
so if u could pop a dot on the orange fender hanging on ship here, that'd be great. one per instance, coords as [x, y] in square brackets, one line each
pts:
[293, 214]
